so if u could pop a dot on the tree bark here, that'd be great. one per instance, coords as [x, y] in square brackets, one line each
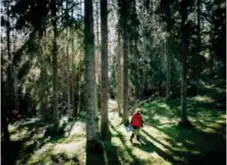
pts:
[89, 71]
[4, 107]
[5, 127]
[16, 103]
[96, 117]
[10, 87]
[119, 76]
[42, 92]
[95, 89]
[168, 69]
[73, 72]
[123, 20]
[125, 72]
[184, 53]
[68, 62]
[55, 62]
[137, 87]
[105, 132]
[198, 47]
[5, 97]
[98, 57]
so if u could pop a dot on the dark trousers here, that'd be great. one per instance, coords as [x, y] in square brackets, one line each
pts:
[133, 135]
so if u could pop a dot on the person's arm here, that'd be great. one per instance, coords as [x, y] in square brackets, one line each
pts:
[141, 121]
[131, 120]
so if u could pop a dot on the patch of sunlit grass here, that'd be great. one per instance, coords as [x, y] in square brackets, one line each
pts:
[205, 99]
[156, 159]
[214, 90]
[74, 149]
[13, 128]
[164, 106]
[78, 128]
[125, 156]
[20, 135]
[42, 155]
[148, 105]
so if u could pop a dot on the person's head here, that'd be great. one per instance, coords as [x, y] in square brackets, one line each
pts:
[137, 111]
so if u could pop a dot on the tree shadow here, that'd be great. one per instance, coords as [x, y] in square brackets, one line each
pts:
[17, 149]
[11, 152]
[148, 146]
[106, 154]
[135, 159]
[219, 128]
[21, 150]
[112, 154]
[203, 144]
[95, 154]
[212, 152]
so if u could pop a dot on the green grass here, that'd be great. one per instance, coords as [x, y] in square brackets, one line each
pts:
[164, 142]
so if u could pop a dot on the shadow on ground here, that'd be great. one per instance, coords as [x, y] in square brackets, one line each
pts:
[108, 156]
[202, 145]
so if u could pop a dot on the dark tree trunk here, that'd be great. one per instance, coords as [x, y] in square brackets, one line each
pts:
[168, 69]
[74, 111]
[55, 62]
[70, 113]
[123, 12]
[10, 92]
[119, 75]
[105, 132]
[198, 47]
[5, 126]
[184, 53]
[89, 71]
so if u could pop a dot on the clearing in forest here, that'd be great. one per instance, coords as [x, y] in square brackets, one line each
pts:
[163, 142]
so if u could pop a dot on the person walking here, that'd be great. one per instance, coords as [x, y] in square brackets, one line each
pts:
[136, 123]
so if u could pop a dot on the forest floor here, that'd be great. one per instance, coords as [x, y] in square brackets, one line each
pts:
[163, 141]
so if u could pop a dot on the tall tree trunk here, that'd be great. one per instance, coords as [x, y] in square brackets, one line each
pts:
[10, 65]
[95, 91]
[42, 91]
[72, 80]
[98, 56]
[5, 85]
[96, 117]
[74, 113]
[119, 75]
[97, 23]
[125, 83]
[105, 132]
[137, 87]
[89, 71]
[68, 61]
[184, 119]
[123, 12]
[55, 62]
[4, 107]
[16, 103]
[198, 47]
[5, 126]
[168, 69]
[125, 73]
[79, 84]
[43, 83]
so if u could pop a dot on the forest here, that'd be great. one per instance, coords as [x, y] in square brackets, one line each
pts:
[113, 82]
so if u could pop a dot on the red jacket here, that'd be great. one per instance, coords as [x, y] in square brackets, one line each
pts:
[136, 121]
